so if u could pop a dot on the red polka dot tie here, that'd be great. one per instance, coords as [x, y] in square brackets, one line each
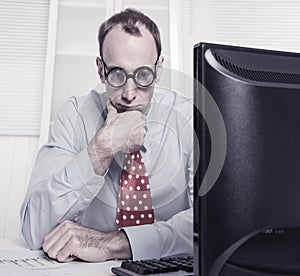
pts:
[135, 201]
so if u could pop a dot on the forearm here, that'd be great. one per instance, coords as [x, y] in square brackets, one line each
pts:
[100, 152]
[63, 194]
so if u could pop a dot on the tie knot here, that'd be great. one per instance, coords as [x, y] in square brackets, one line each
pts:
[133, 158]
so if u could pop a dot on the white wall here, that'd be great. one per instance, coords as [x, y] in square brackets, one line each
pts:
[16, 162]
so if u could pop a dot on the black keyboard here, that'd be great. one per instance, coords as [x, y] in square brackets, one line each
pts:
[176, 266]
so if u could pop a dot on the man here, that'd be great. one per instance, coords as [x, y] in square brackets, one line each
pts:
[77, 200]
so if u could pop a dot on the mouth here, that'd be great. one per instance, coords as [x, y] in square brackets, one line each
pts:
[123, 108]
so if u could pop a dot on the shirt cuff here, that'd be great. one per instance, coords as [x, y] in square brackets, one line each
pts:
[81, 168]
[144, 242]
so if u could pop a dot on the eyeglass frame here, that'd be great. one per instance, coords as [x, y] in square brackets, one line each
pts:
[128, 76]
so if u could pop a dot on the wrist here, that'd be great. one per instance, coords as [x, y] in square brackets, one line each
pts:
[120, 246]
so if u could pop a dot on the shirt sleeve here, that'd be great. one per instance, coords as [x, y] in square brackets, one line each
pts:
[63, 182]
[163, 238]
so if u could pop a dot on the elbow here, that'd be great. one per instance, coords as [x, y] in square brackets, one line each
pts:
[31, 232]
[33, 241]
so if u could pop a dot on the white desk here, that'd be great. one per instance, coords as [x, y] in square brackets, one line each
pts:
[17, 260]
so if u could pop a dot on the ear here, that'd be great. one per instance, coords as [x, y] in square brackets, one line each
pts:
[159, 68]
[100, 67]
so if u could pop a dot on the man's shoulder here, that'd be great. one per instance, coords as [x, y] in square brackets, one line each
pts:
[89, 108]
[92, 100]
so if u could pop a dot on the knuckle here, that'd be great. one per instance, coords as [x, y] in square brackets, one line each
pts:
[70, 232]
[66, 225]
[75, 242]
[68, 222]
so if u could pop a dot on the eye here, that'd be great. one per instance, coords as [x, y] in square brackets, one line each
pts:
[144, 76]
[116, 77]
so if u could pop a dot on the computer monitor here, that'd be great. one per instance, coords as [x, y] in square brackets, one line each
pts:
[247, 222]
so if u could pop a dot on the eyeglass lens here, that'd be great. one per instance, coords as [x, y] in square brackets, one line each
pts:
[142, 76]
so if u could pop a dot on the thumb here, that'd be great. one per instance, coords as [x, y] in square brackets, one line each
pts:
[111, 109]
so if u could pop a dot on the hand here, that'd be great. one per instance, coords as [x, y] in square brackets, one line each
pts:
[123, 132]
[69, 241]
[127, 129]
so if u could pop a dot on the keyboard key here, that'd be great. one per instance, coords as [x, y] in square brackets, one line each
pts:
[162, 266]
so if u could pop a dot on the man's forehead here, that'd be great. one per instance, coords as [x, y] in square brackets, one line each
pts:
[120, 46]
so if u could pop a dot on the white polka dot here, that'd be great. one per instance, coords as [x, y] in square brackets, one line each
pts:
[148, 186]
[132, 216]
[130, 188]
[129, 176]
[149, 215]
[144, 196]
[134, 197]
[142, 160]
[124, 217]
[140, 167]
[118, 210]
[126, 155]
[137, 221]
[132, 156]
[138, 188]
[143, 181]
[127, 196]
[125, 168]
[128, 162]
[146, 174]
[137, 156]
[117, 221]
[142, 215]
[125, 182]
[140, 202]
[137, 176]
[135, 208]
[123, 202]
[133, 168]
[146, 207]
[128, 208]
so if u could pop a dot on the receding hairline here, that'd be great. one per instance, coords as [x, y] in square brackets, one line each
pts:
[130, 19]
[143, 33]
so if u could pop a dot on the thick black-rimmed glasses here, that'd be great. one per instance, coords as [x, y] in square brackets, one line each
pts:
[117, 77]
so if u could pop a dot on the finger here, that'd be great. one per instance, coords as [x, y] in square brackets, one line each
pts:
[69, 259]
[51, 238]
[69, 252]
[60, 243]
[111, 108]
[58, 228]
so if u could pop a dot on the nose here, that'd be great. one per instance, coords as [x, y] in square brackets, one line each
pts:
[129, 90]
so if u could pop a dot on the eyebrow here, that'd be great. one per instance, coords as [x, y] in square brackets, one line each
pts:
[111, 66]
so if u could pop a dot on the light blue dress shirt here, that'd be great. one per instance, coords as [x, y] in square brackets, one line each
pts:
[64, 186]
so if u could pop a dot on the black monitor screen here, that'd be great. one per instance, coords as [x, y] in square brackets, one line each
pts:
[247, 221]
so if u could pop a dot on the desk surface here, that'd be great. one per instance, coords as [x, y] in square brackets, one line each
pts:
[16, 259]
